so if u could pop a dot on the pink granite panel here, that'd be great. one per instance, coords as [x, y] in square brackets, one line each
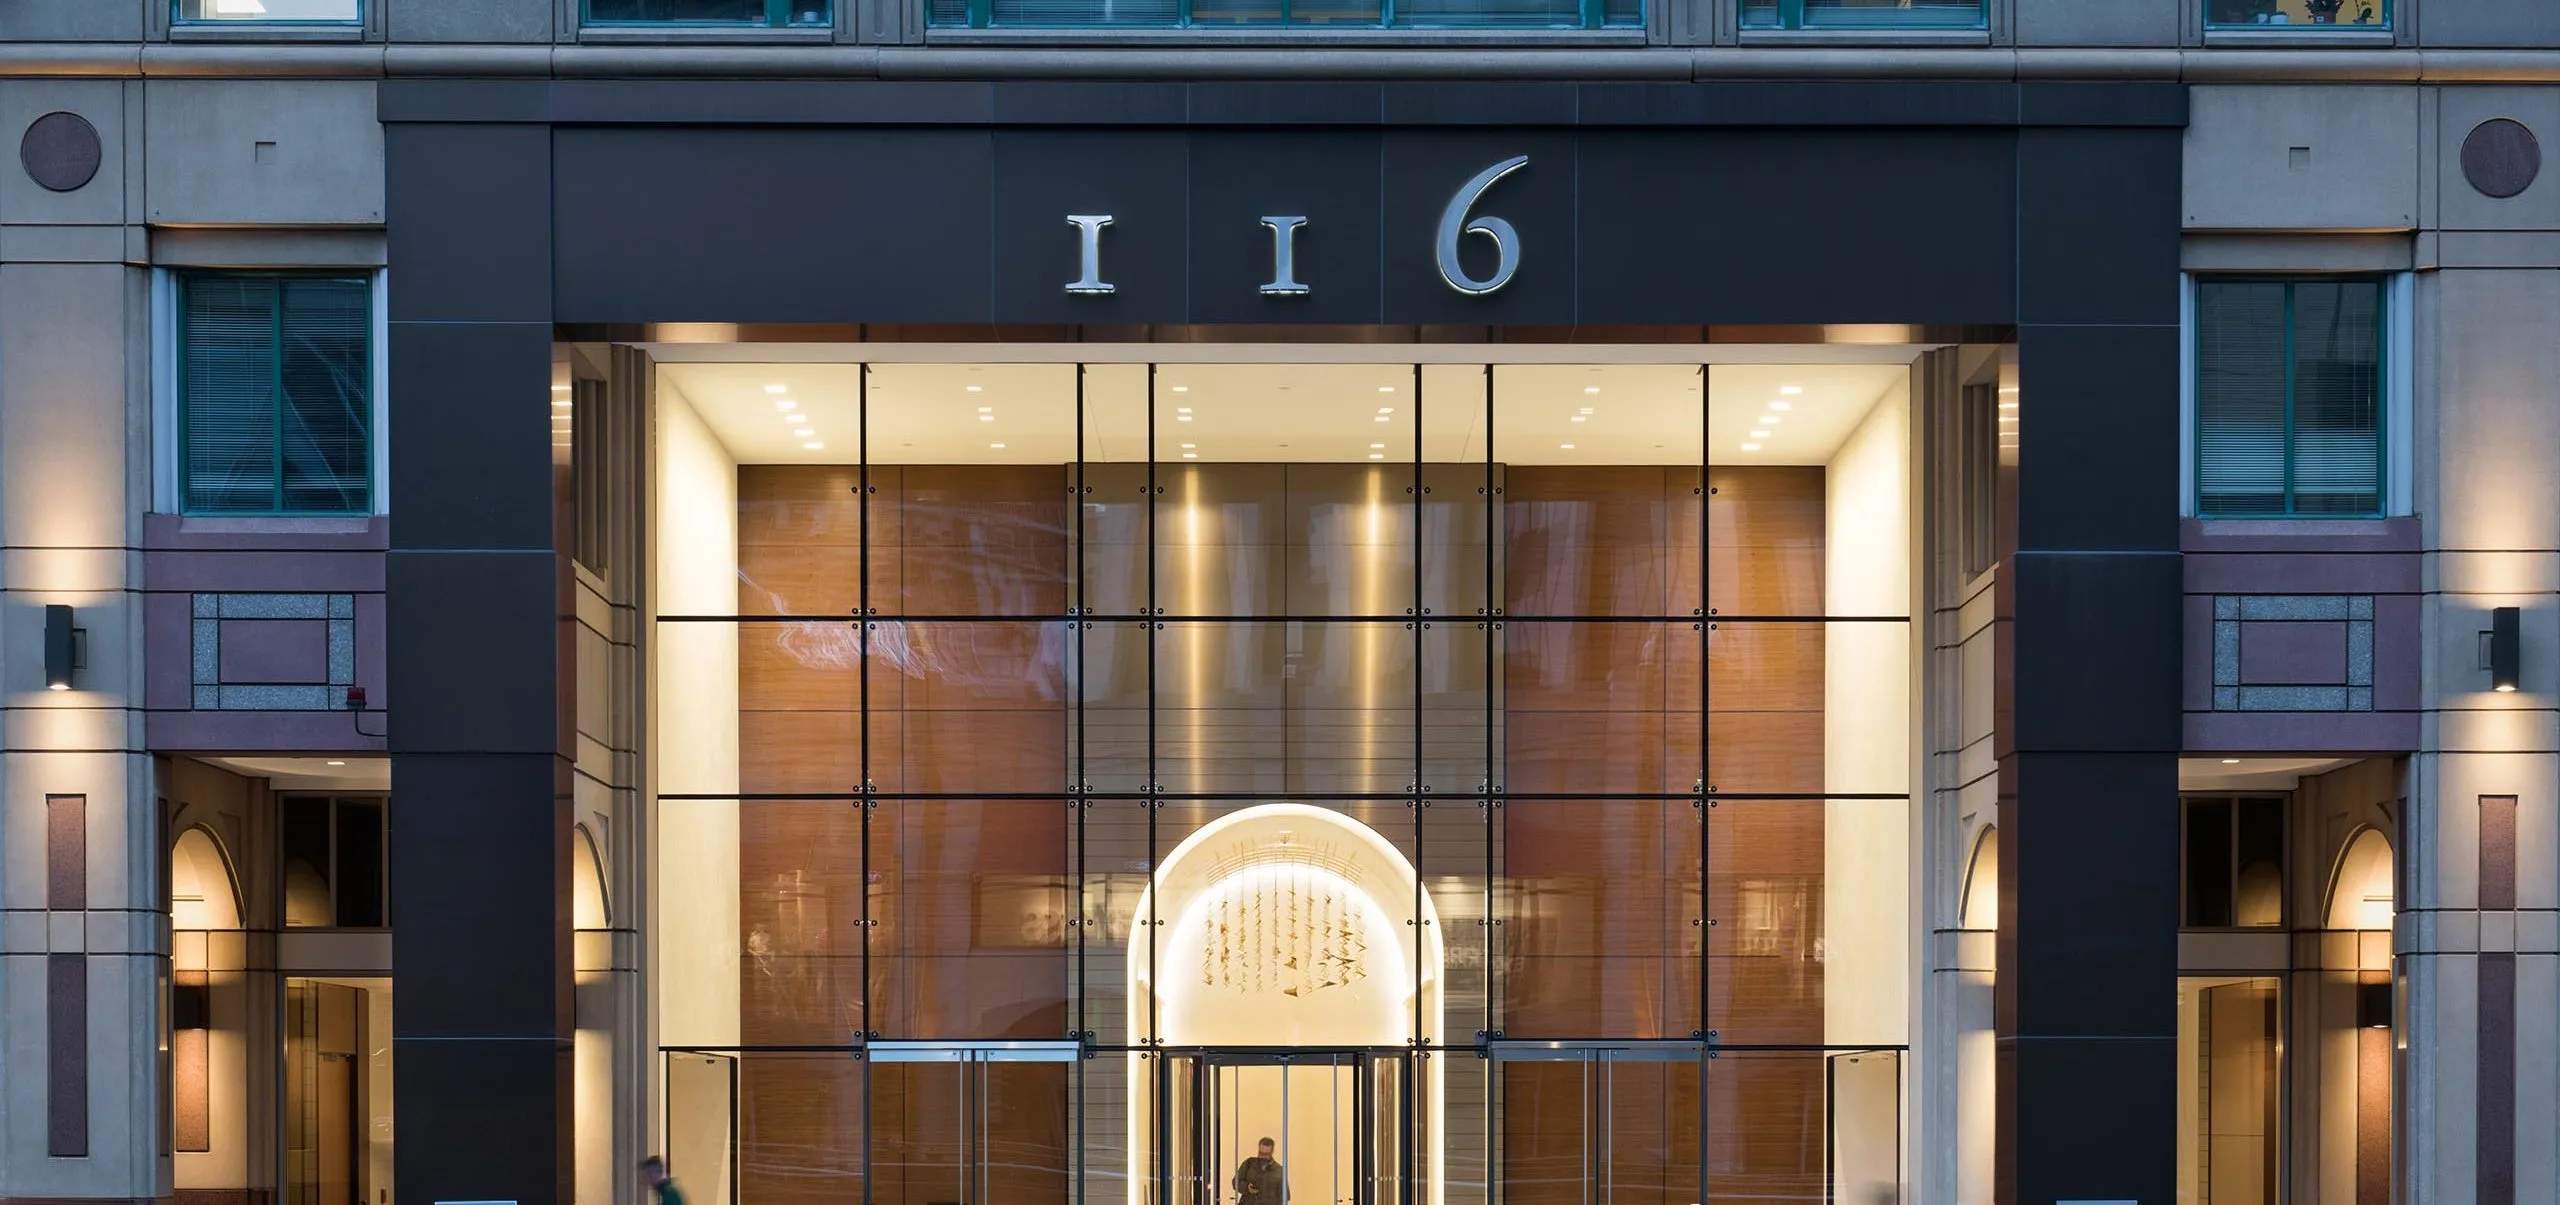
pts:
[2302, 573]
[2397, 639]
[372, 664]
[2299, 535]
[2259, 733]
[168, 644]
[263, 571]
[2293, 654]
[218, 732]
[2198, 659]
[268, 651]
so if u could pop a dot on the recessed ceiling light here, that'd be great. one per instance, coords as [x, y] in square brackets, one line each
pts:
[1182, 389]
[1767, 419]
[562, 405]
[1782, 405]
[997, 446]
[1750, 447]
[1182, 418]
[559, 389]
[1579, 418]
[814, 446]
[1791, 390]
[777, 389]
[986, 418]
[1759, 435]
[803, 432]
[1566, 447]
[337, 763]
[1188, 447]
[986, 409]
[1384, 419]
[1191, 456]
[2230, 761]
[2008, 405]
[1591, 389]
[786, 404]
[1182, 409]
[1377, 445]
[1377, 456]
[975, 388]
[1386, 389]
[1386, 409]
[1587, 410]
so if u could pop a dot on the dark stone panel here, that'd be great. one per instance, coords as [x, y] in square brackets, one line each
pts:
[66, 1043]
[1464, 104]
[769, 225]
[772, 102]
[1138, 178]
[1122, 103]
[2098, 437]
[2497, 852]
[1721, 244]
[2494, 1119]
[477, 645]
[2067, 103]
[1800, 103]
[2087, 1119]
[471, 434]
[483, 1120]
[462, 100]
[2088, 939]
[1264, 104]
[1330, 179]
[1422, 172]
[2098, 226]
[2093, 665]
[480, 893]
[468, 222]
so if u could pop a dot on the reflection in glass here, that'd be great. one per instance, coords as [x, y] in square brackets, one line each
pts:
[2230, 1090]
[1862, 14]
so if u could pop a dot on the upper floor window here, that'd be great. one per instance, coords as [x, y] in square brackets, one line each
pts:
[2289, 397]
[1320, 14]
[2233, 873]
[336, 860]
[2297, 14]
[772, 13]
[281, 12]
[1862, 14]
[275, 394]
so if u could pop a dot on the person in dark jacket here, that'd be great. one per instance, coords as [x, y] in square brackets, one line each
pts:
[1259, 1180]
[653, 1173]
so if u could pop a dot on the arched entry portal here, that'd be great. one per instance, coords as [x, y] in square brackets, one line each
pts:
[1287, 964]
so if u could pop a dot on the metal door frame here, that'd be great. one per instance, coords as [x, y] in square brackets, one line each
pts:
[972, 1059]
[1363, 1062]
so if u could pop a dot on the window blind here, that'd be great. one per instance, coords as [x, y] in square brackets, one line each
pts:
[275, 394]
[2289, 398]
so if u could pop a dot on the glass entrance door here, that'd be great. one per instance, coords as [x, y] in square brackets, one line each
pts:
[948, 1119]
[1333, 1120]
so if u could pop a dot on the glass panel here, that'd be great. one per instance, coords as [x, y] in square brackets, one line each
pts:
[1771, 1131]
[801, 869]
[2368, 14]
[1600, 912]
[228, 345]
[710, 12]
[1808, 921]
[2337, 404]
[282, 11]
[969, 919]
[326, 379]
[702, 1117]
[2230, 1090]
[2209, 864]
[2241, 375]
[968, 1132]
[359, 867]
[338, 1121]
[1417, 14]
[2258, 877]
[1862, 14]
[968, 708]
[309, 844]
[800, 1126]
[1598, 471]
[969, 478]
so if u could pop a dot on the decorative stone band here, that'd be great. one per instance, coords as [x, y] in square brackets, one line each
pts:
[272, 652]
[2293, 652]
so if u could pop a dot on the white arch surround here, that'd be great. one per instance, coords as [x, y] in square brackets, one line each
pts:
[1324, 864]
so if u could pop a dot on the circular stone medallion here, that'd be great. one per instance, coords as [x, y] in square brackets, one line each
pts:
[60, 151]
[2500, 157]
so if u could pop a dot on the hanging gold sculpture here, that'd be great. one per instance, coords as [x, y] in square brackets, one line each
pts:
[1285, 931]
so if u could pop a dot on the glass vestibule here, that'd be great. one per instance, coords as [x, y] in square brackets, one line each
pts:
[1181, 710]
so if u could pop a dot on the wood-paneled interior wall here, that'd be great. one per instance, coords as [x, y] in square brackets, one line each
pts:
[1603, 899]
[968, 896]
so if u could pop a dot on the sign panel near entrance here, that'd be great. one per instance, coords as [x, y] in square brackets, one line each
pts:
[1447, 246]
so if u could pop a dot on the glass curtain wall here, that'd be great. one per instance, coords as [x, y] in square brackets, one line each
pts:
[1282, 740]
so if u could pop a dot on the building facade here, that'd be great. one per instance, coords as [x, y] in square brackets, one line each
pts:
[1939, 601]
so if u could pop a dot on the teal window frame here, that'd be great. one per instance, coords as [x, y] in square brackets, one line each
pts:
[2381, 23]
[2382, 368]
[179, 18]
[1589, 15]
[777, 15]
[1792, 15]
[372, 486]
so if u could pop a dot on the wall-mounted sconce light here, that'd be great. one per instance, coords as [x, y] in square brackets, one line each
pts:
[190, 1006]
[2373, 1005]
[61, 648]
[2501, 648]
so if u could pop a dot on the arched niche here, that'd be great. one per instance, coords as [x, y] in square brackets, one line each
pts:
[589, 907]
[1981, 905]
[203, 893]
[1246, 896]
[2361, 893]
